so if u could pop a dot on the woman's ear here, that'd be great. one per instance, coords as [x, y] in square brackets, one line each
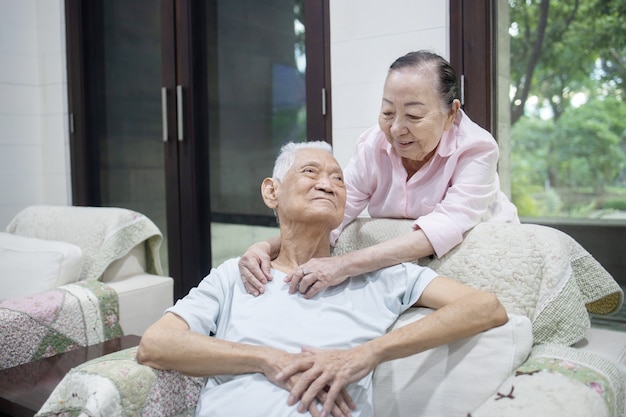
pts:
[456, 105]
[269, 188]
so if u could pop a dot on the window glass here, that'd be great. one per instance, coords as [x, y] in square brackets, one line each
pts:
[257, 104]
[565, 91]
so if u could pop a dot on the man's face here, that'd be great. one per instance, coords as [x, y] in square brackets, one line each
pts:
[313, 190]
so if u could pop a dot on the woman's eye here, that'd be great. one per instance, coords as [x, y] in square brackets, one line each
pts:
[413, 117]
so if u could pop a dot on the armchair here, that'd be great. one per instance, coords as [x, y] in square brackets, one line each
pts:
[544, 362]
[77, 276]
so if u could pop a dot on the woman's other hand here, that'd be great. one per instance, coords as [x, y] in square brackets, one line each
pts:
[254, 267]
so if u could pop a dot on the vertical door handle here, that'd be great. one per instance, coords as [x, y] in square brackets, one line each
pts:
[179, 111]
[164, 112]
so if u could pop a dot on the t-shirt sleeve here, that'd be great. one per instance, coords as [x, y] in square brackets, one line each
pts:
[418, 278]
[202, 307]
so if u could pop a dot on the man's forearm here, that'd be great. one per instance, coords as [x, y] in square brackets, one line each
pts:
[194, 354]
[463, 318]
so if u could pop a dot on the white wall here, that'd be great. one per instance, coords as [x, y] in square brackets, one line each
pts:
[34, 161]
[365, 38]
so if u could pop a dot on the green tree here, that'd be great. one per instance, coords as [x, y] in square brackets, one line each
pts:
[558, 47]
[590, 143]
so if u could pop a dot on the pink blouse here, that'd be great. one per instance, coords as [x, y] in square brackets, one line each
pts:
[458, 188]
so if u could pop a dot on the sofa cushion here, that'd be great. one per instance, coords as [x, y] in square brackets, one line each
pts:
[31, 265]
[451, 379]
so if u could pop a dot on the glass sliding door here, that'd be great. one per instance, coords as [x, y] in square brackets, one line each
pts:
[179, 108]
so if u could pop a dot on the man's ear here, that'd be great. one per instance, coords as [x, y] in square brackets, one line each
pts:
[269, 189]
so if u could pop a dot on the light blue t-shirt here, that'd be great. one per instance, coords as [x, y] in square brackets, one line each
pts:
[349, 314]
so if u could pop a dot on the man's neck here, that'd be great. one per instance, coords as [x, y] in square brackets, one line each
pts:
[298, 247]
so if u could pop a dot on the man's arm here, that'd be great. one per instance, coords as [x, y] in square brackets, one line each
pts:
[169, 344]
[461, 311]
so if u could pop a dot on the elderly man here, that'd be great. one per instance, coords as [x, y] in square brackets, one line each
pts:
[283, 354]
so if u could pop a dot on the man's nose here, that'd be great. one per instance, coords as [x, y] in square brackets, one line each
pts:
[324, 184]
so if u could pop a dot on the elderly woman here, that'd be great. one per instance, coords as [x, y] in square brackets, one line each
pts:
[282, 354]
[426, 160]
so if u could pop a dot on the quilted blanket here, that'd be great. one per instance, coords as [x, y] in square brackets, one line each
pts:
[568, 377]
[112, 233]
[125, 389]
[536, 271]
[56, 321]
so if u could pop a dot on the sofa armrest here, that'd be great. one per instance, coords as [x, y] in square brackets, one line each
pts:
[142, 300]
[56, 321]
[124, 387]
[559, 381]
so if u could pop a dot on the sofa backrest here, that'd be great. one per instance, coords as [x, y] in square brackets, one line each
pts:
[536, 271]
[133, 263]
[105, 234]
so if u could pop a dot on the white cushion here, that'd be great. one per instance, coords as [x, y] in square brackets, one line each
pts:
[29, 265]
[454, 379]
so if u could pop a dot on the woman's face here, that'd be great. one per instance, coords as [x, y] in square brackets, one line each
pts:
[412, 115]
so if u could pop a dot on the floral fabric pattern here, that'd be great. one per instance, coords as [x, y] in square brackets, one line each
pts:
[559, 381]
[56, 321]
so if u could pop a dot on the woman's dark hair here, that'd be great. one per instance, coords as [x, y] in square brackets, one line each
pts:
[448, 87]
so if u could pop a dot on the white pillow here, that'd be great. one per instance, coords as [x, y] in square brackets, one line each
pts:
[454, 379]
[29, 265]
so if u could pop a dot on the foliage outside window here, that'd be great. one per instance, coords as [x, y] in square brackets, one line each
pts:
[568, 109]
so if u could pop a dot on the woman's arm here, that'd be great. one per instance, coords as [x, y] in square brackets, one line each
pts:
[326, 272]
[254, 265]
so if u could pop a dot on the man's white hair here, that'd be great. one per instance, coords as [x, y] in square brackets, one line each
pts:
[287, 155]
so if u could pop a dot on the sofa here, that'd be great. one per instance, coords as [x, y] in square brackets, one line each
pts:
[546, 361]
[77, 276]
